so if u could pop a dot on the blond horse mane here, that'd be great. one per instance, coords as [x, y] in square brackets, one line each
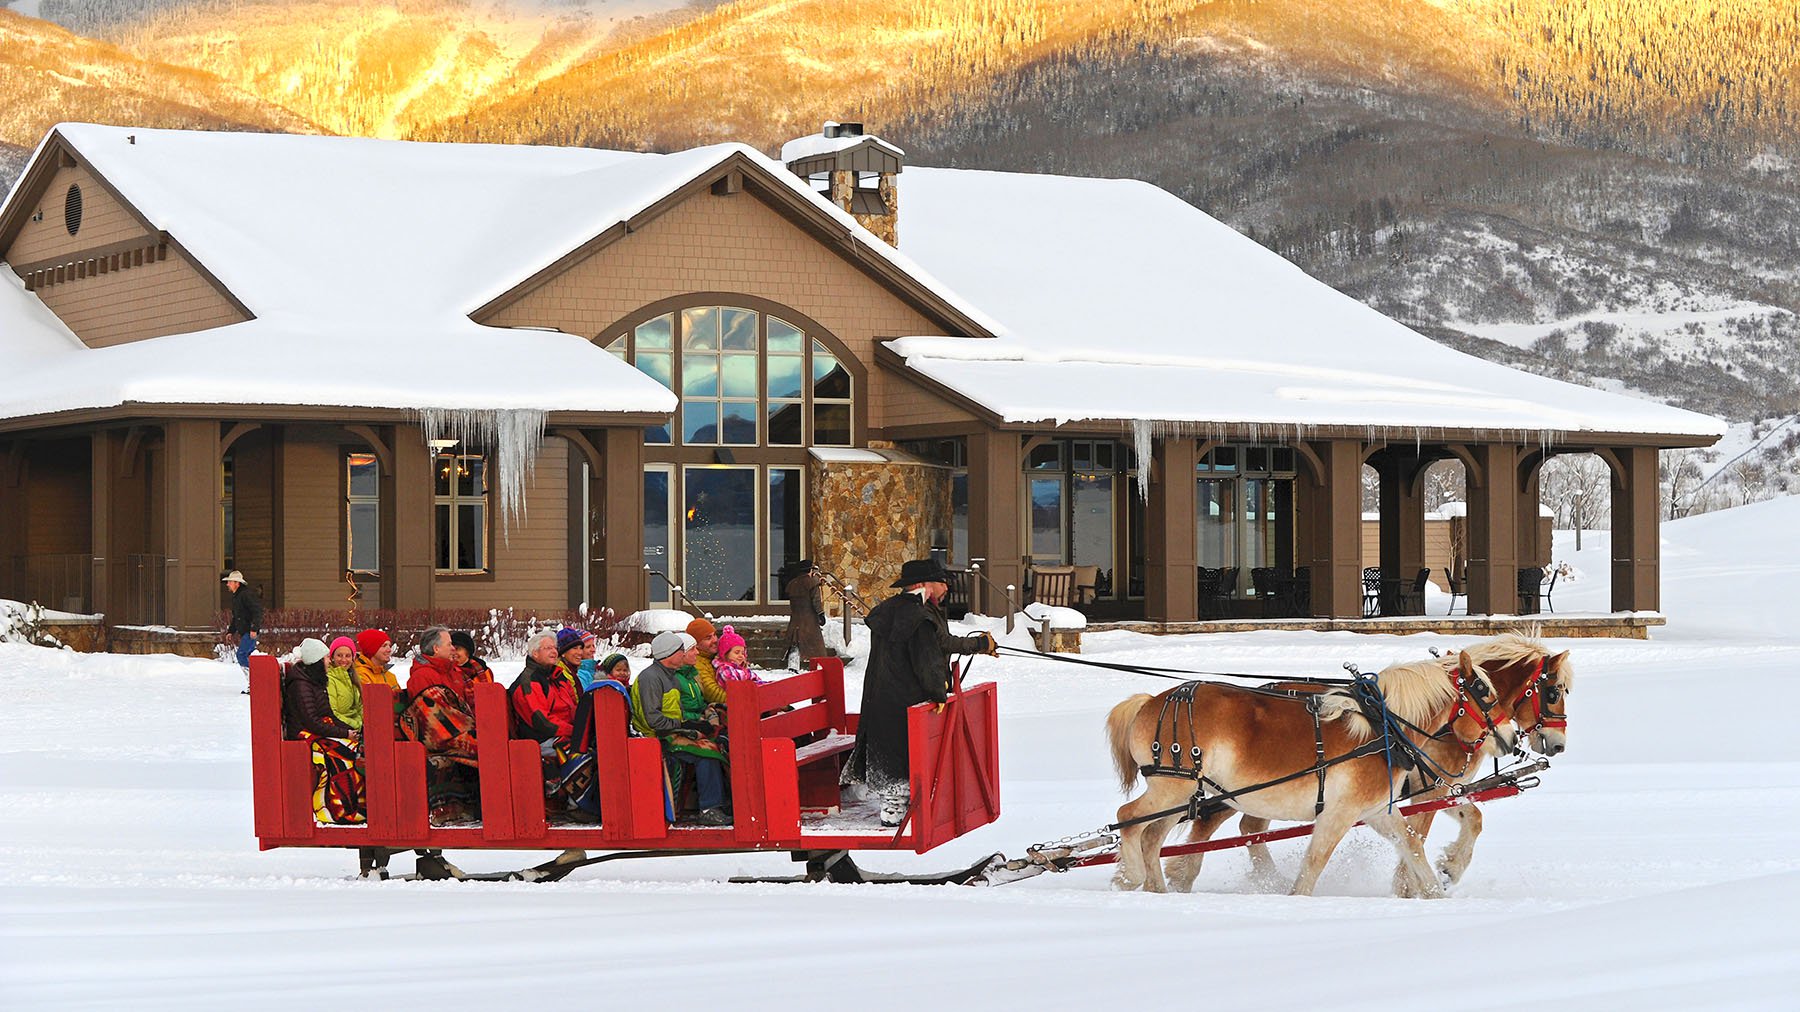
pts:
[1515, 648]
[1415, 691]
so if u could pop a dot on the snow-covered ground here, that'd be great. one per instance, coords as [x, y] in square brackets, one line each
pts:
[1658, 866]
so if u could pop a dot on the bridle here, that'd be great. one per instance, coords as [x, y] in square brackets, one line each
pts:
[1541, 689]
[1474, 696]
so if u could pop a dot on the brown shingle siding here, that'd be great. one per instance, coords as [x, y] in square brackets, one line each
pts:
[103, 220]
[728, 244]
[166, 297]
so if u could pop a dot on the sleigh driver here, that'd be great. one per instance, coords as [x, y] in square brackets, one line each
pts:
[909, 663]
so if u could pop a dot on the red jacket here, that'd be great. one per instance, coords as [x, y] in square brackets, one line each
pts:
[544, 701]
[429, 671]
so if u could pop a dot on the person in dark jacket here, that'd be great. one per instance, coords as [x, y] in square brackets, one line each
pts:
[806, 611]
[462, 651]
[337, 794]
[246, 620]
[305, 698]
[909, 663]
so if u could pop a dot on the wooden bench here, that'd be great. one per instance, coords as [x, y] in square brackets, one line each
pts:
[794, 748]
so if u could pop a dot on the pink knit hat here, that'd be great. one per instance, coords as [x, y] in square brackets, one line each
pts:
[344, 641]
[728, 638]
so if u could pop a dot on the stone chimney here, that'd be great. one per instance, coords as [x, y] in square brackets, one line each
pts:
[853, 170]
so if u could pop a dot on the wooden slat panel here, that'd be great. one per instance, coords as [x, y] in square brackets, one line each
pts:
[795, 723]
[783, 692]
[265, 747]
[492, 727]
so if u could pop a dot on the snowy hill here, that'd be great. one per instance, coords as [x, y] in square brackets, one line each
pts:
[1657, 867]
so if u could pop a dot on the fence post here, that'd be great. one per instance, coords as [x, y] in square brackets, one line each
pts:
[844, 600]
[977, 586]
[1009, 607]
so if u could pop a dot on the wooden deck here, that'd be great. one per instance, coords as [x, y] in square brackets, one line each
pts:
[1628, 625]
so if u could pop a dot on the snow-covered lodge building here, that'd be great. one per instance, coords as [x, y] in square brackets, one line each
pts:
[485, 376]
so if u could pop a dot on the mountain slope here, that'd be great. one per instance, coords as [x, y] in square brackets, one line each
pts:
[51, 75]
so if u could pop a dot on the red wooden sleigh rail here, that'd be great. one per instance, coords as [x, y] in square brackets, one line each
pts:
[784, 772]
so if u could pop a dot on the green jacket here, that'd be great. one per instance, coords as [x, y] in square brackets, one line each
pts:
[345, 693]
[661, 699]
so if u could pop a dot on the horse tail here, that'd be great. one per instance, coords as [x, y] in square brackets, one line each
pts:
[1118, 736]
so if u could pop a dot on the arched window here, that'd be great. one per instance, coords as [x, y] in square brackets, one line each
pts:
[724, 479]
[745, 378]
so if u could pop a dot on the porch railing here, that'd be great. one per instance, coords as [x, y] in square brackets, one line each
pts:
[140, 600]
[58, 581]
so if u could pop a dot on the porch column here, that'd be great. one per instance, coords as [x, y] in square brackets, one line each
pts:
[1636, 549]
[12, 517]
[1171, 558]
[616, 494]
[190, 489]
[996, 475]
[1531, 551]
[408, 523]
[1494, 502]
[101, 540]
[1337, 531]
[1402, 521]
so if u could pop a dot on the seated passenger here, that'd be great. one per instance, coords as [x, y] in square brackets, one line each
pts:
[440, 715]
[462, 651]
[615, 668]
[374, 653]
[585, 668]
[545, 694]
[733, 664]
[666, 702]
[706, 647]
[337, 795]
[341, 683]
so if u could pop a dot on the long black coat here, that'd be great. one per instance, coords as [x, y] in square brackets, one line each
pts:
[909, 663]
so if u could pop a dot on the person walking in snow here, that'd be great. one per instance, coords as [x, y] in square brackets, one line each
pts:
[909, 663]
[246, 620]
[800, 584]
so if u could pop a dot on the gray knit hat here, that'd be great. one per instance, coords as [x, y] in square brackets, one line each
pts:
[312, 651]
[667, 644]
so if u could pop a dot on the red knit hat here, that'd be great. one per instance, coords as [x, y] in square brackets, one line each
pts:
[370, 640]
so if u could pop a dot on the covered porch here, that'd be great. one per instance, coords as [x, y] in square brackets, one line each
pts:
[1235, 527]
[138, 518]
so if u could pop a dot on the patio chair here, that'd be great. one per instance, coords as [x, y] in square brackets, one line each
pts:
[956, 599]
[1262, 583]
[1371, 584]
[1087, 584]
[1412, 599]
[1053, 586]
[1531, 579]
[1294, 593]
[1208, 591]
[1548, 586]
[1458, 588]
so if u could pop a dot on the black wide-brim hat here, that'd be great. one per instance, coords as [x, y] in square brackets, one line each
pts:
[921, 571]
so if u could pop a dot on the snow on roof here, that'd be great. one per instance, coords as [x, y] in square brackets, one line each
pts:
[33, 334]
[814, 145]
[361, 260]
[1125, 302]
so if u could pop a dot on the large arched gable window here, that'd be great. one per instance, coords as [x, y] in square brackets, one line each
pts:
[725, 478]
[746, 376]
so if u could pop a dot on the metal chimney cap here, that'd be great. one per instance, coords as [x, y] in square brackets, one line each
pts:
[843, 129]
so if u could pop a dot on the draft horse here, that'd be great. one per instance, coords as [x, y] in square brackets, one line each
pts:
[1530, 685]
[1326, 757]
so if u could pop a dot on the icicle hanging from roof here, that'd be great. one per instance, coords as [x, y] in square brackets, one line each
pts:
[512, 435]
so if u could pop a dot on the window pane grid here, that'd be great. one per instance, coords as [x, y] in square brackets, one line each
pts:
[461, 512]
[362, 513]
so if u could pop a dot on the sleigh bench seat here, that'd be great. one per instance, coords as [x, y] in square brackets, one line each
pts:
[824, 748]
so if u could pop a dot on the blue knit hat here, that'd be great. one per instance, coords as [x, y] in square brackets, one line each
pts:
[567, 639]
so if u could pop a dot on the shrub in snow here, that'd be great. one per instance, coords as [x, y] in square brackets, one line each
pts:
[498, 632]
[24, 623]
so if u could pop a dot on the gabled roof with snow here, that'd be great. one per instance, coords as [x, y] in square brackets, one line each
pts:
[1122, 301]
[361, 261]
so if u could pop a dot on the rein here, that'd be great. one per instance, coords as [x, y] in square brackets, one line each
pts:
[1173, 674]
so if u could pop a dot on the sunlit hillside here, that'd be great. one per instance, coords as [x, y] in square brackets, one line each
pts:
[373, 69]
[49, 75]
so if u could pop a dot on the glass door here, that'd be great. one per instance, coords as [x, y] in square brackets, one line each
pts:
[659, 544]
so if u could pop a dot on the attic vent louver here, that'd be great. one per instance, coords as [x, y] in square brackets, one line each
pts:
[72, 209]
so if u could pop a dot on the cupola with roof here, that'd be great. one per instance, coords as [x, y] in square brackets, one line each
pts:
[854, 170]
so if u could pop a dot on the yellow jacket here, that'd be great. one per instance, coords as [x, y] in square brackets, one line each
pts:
[345, 693]
[708, 679]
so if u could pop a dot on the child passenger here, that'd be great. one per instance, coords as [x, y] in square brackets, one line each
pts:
[733, 663]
